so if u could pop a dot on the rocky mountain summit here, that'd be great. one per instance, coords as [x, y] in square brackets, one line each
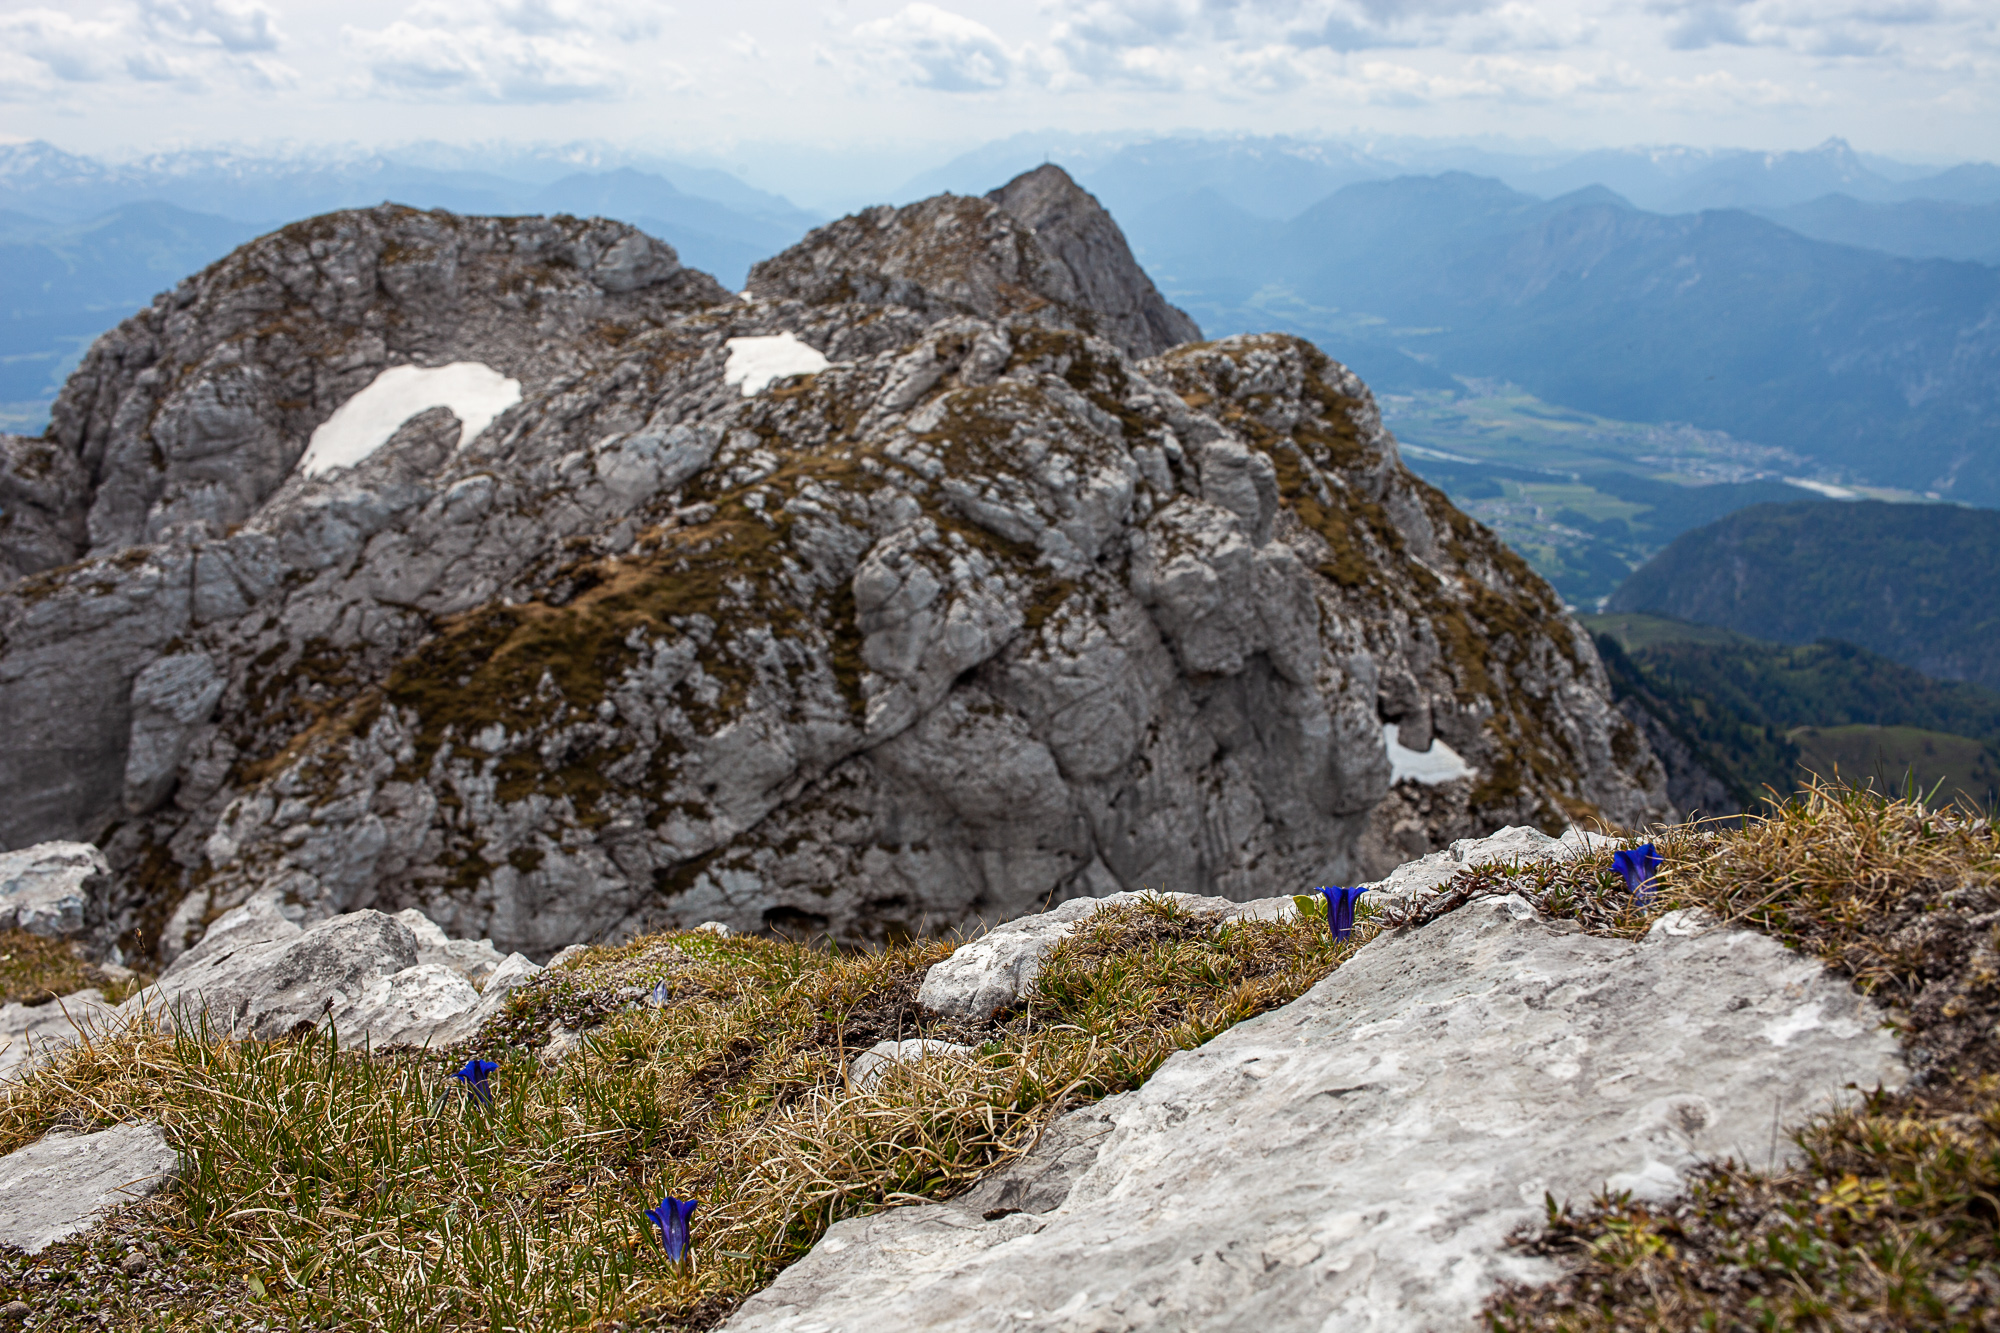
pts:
[507, 570]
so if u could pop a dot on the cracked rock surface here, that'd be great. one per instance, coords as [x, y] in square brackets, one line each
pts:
[1023, 598]
[1357, 1157]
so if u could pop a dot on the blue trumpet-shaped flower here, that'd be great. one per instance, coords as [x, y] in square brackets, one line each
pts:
[473, 1078]
[1340, 905]
[672, 1218]
[659, 995]
[1637, 868]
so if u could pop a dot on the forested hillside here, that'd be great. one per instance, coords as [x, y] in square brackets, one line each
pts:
[1762, 715]
[1914, 583]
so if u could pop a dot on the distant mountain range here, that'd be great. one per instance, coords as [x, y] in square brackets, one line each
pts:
[1914, 583]
[1863, 365]
[1913, 228]
[1278, 177]
[717, 223]
[63, 283]
[1873, 368]
[84, 243]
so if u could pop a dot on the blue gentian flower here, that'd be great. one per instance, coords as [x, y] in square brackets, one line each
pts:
[474, 1077]
[1637, 867]
[1340, 905]
[672, 1218]
[659, 995]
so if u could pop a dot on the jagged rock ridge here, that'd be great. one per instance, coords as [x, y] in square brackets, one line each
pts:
[985, 614]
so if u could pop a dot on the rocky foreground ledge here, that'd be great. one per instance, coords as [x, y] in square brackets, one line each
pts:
[1139, 1112]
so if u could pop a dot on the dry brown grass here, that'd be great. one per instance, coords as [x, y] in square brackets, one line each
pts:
[331, 1188]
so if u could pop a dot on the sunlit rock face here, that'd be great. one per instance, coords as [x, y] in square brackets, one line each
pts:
[1014, 595]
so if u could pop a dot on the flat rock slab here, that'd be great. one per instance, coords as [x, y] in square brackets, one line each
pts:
[1356, 1158]
[62, 1186]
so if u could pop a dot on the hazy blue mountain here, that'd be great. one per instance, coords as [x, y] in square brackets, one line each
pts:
[724, 235]
[1772, 180]
[1914, 228]
[1971, 183]
[1270, 177]
[83, 243]
[1278, 177]
[1886, 368]
[1911, 582]
[980, 169]
[544, 164]
[709, 235]
[61, 284]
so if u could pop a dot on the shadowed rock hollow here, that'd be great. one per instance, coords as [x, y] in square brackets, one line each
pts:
[1022, 597]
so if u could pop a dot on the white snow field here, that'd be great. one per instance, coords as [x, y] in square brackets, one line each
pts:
[755, 362]
[358, 427]
[1438, 764]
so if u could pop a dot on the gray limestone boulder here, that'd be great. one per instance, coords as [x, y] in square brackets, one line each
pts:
[376, 979]
[1358, 1157]
[63, 1185]
[993, 971]
[417, 1006]
[1514, 845]
[263, 989]
[56, 889]
[515, 971]
[475, 960]
[865, 1071]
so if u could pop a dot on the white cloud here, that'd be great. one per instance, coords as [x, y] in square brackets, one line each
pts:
[626, 20]
[190, 44]
[539, 51]
[1721, 90]
[239, 26]
[54, 45]
[924, 46]
[1864, 30]
[1242, 46]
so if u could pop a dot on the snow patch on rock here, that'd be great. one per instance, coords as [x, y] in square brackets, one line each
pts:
[1440, 763]
[474, 392]
[755, 362]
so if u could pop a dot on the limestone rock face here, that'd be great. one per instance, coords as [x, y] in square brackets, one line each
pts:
[1358, 1157]
[1039, 243]
[984, 616]
[1072, 226]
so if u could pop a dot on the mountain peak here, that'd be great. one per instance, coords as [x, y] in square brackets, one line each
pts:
[1038, 241]
[1080, 233]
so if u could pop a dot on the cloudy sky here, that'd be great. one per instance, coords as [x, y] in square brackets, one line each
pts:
[1915, 77]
